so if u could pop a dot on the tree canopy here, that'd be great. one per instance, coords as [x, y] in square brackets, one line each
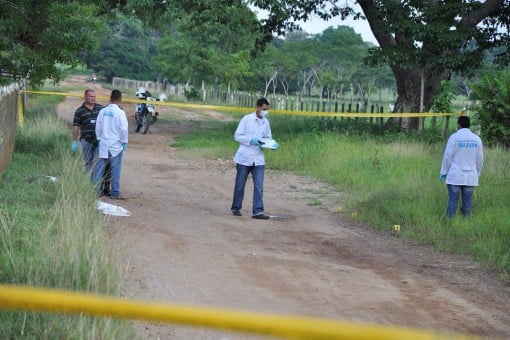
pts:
[208, 42]
[223, 43]
[36, 35]
[126, 49]
[422, 41]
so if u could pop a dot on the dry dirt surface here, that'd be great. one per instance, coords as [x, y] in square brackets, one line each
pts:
[181, 245]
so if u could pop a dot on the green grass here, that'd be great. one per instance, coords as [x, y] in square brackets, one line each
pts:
[51, 235]
[387, 178]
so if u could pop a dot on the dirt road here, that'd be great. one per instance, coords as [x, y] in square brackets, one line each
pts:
[181, 245]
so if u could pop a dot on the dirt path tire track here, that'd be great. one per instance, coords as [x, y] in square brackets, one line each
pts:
[181, 245]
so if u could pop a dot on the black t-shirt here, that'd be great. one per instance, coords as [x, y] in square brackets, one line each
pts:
[86, 120]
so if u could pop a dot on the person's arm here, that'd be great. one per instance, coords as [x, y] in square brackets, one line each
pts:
[76, 124]
[240, 134]
[268, 134]
[76, 132]
[447, 157]
[124, 132]
[99, 125]
[479, 159]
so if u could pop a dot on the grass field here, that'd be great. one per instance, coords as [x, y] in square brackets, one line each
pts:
[51, 234]
[387, 178]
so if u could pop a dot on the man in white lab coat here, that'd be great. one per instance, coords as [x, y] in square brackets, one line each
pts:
[461, 167]
[112, 136]
[249, 157]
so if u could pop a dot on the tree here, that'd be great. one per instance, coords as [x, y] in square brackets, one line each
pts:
[293, 58]
[341, 51]
[265, 70]
[36, 35]
[426, 40]
[126, 50]
[493, 112]
[208, 40]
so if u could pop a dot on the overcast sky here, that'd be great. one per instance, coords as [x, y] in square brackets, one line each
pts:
[317, 25]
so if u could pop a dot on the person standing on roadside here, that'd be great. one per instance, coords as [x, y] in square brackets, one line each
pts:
[112, 137]
[461, 167]
[250, 158]
[84, 129]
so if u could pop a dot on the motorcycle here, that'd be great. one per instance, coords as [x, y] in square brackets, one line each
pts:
[145, 113]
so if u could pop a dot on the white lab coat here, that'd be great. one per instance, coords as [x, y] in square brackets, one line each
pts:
[250, 127]
[463, 158]
[111, 130]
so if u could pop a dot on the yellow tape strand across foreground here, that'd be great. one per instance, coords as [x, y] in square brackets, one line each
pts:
[40, 299]
[244, 109]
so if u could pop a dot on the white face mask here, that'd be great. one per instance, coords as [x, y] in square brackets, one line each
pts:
[263, 113]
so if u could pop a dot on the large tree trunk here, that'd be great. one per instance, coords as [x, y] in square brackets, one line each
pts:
[408, 89]
[408, 79]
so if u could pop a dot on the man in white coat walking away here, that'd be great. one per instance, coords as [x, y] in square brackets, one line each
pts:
[461, 167]
[112, 136]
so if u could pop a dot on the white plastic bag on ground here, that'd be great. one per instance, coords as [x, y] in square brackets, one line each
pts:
[111, 209]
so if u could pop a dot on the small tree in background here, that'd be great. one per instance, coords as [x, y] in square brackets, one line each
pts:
[493, 110]
[443, 100]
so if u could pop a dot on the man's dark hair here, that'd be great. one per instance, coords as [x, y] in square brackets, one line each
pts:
[262, 101]
[116, 95]
[463, 122]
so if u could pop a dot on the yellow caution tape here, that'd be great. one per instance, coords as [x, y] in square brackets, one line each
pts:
[244, 109]
[40, 299]
[21, 110]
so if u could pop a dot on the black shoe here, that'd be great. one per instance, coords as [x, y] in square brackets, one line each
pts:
[261, 217]
[236, 213]
[120, 198]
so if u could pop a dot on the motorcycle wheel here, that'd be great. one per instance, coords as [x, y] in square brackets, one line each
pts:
[146, 122]
[138, 120]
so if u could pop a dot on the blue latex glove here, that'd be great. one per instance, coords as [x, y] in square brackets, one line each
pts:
[275, 146]
[254, 141]
[74, 146]
[442, 178]
[124, 146]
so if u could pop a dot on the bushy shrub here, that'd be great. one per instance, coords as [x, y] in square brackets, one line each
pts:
[493, 110]
[443, 100]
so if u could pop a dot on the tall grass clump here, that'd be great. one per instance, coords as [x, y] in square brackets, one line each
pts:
[391, 178]
[52, 236]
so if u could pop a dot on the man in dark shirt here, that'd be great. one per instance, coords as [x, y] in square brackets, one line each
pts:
[84, 127]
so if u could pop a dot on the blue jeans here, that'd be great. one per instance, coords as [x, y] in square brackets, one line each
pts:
[90, 153]
[99, 172]
[456, 191]
[257, 173]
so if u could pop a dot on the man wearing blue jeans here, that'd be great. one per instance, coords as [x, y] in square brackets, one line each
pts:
[84, 128]
[461, 167]
[250, 158]
[112, 135]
